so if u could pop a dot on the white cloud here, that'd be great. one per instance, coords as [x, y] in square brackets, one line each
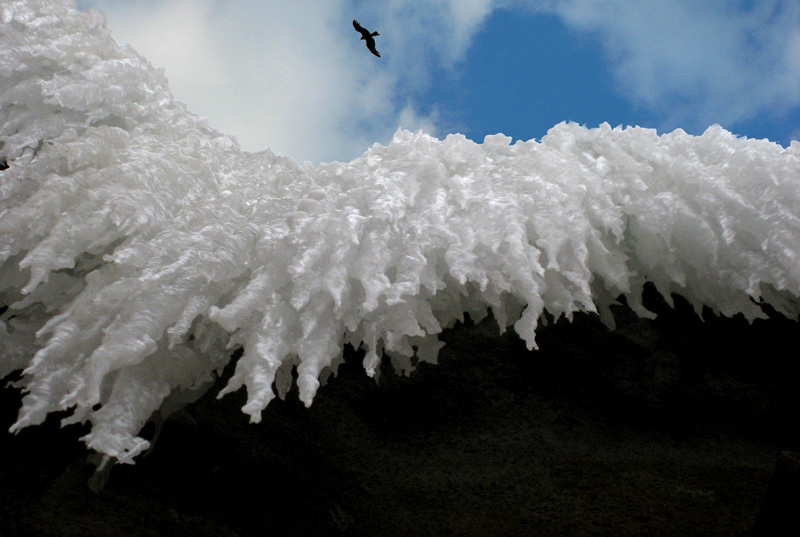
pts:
[294, 76]
[696, 62]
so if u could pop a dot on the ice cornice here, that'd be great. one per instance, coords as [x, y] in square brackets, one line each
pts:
[139, 246]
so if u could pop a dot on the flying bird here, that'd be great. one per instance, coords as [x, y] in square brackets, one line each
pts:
[368, 37]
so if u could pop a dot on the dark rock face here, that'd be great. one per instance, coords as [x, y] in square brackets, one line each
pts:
[663, 427]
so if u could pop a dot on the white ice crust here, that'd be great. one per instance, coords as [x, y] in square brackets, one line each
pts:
[138, 246]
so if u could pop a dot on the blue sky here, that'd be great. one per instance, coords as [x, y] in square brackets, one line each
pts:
[555, 73]
[294, 76]
[525, 73]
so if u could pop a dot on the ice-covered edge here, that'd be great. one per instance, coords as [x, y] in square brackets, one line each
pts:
[139, 246]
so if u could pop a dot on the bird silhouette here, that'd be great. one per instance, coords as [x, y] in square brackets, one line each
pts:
[368, 37]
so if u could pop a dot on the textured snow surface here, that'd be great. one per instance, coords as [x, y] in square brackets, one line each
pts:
[138, 246]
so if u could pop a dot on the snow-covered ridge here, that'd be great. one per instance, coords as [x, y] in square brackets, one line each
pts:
[139, 246]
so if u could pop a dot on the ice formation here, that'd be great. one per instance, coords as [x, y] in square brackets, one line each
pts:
[138, 246]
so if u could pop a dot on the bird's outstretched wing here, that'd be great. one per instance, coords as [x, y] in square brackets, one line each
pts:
[371, 47]
[360, 29]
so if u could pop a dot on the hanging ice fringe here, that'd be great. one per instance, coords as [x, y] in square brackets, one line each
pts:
[139, 246]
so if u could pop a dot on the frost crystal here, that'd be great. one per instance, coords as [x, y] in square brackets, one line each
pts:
[138, 245]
